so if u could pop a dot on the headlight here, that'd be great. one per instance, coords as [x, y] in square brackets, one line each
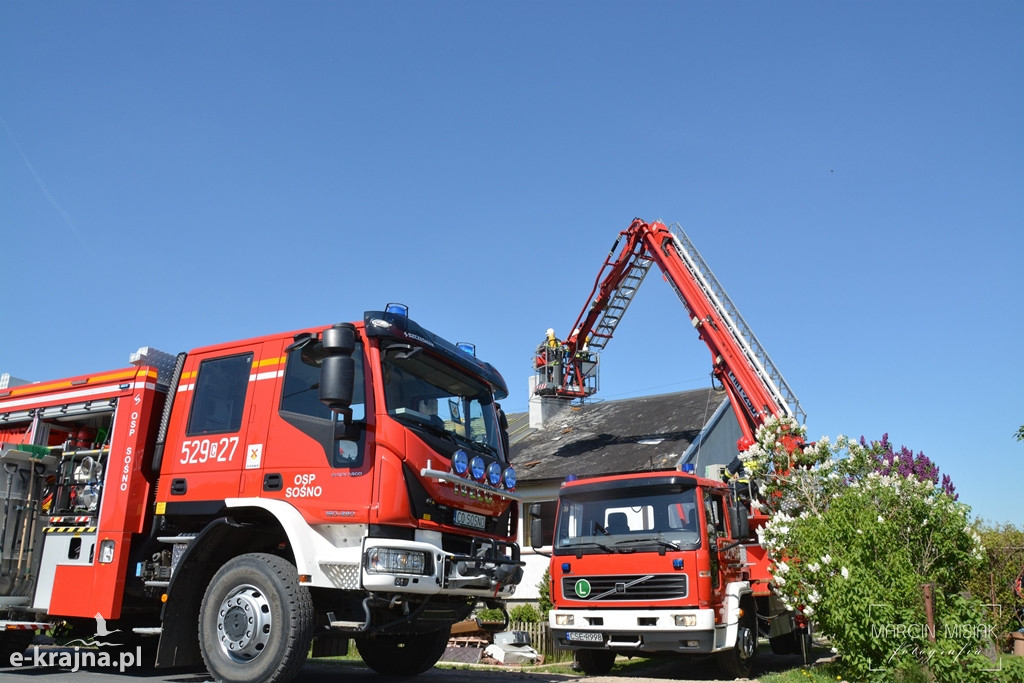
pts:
[395, 561]
[476, 468]
[686, 619]
[460, 463]
[494, 474]
[563, 620]
[510, 478]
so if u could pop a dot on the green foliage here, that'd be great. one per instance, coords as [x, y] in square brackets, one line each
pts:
[490, 614]
[544, 595]
[856, 530]
[524, 612]
[1006, 670]
[994, 584]
[1011, 670]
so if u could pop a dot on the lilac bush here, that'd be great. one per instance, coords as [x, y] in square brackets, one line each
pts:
[854, 530]
[905, 464]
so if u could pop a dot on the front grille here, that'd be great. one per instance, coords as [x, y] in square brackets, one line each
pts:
[625, 587]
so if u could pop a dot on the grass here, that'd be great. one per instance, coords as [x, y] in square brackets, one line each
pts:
[1012, 668]
[563, 664]
[813, 674]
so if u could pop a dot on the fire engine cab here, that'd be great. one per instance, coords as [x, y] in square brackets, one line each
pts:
[233, 504]
[653, 563]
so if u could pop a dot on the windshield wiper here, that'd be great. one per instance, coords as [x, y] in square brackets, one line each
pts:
[430, 427]
[578, 547]
[477, 446]
[487, 447]
[659, 541]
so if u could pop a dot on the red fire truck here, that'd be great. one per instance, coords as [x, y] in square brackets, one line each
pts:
[236, 503]
[659, 563]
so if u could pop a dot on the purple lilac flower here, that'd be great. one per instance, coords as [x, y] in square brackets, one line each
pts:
[888, 462]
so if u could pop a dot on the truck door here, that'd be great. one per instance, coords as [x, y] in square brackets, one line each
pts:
[714, 518]
[216, 433]
[313, 459]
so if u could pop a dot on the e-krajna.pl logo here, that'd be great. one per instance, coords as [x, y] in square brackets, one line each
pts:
[86, 653]
[76, 658]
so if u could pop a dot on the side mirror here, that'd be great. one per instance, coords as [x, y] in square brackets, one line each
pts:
[536, 532]
[536, 526]
[337, 369]
[739, 521]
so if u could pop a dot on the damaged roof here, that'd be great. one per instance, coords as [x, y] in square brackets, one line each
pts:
[611, 437]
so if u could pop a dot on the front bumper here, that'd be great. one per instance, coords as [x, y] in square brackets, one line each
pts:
[489, 570]
[642, 631]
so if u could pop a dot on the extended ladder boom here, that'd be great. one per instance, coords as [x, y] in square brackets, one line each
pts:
[741, 333]
[755, 386]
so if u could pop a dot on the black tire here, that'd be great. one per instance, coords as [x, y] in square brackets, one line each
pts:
[737, 661]
[405, 654]
[255, 621]
[13, 641]
[595, 662]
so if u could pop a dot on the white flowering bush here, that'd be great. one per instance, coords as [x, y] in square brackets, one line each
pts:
[853, 535]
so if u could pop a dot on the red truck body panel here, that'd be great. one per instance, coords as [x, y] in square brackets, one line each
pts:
[128, 494]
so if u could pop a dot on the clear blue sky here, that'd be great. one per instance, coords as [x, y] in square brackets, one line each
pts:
[181, 173]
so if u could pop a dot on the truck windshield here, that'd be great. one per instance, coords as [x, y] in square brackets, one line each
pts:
[425, 392]
[627, 520]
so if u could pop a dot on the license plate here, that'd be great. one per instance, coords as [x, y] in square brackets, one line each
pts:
[584, 637]
[463, 518]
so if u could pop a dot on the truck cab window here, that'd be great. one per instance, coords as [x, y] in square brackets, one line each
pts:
[439, 400]
[300, 392]
[627, 517]
[219, 399]
[344, 445]
[715, 512]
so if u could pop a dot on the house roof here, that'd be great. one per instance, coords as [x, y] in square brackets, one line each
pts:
[611, 437]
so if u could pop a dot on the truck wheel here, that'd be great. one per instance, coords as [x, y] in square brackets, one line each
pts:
[405, 654]
[737, 661]
[255, 621]
[13, 641]
[595, 662]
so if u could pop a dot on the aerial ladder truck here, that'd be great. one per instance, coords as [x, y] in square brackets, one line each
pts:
[664, 562]
[240, 504]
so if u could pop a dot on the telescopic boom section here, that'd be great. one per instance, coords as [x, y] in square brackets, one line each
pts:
[755, 386]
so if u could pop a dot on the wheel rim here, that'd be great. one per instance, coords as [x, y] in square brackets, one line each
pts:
[244, 623]
[745, 642]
